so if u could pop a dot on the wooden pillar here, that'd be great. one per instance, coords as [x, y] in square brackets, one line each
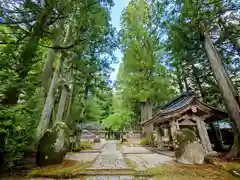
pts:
[208, 142]
[202, 130]
[218, 136]
[173, 130]
[159, 137]
[177, 125]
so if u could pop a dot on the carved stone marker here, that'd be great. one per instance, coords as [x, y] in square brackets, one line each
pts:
[189, 149]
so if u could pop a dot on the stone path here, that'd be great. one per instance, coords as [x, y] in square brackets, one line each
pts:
[144, 161]
[110, 164]
[110, 158]
[144, 158]
[98, 146]
[84, 157]
[135, 150]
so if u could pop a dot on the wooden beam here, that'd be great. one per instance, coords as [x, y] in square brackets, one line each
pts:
[176, 114]
[206, 136]
[187, 122]
[184, 117]
[177, 125]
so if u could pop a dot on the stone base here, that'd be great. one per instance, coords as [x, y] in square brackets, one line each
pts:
[235, 172]
[46, 154]
[212, 153]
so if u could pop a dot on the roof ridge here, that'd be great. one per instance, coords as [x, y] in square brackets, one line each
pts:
[176, 99]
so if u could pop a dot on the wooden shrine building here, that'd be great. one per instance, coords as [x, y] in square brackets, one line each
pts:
[185, 111]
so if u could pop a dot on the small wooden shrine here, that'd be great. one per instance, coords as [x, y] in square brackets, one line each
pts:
[185, 111]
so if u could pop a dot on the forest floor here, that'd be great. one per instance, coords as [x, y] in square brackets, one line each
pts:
[124, 162]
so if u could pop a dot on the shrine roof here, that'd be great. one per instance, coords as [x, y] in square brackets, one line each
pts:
[178, 102]
[184, 102]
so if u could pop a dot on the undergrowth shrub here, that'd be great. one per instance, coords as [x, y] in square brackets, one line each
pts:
[17, 129]
[146, 142]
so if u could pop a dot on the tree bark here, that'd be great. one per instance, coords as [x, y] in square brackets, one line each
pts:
[48, 66]
[52, 53]
[195, 75]
[234, 151]
[60, 140]
[225, 84]
[49, 103]
[70, 100]
[186, 83]
[62, 104]
[142, 106]
[181, 87]
[238, 45]
[146, 114]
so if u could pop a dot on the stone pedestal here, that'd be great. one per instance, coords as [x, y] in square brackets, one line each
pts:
[47, 153]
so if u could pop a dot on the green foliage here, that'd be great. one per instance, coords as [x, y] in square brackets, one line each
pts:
[145, 142]
[120, 119]
[179, 22]
[142, 76]
[184, 137]
[161, 45]
[85, 69]
[83, 146]
[17, 126]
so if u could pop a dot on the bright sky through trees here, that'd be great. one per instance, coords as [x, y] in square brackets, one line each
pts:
[115, 16]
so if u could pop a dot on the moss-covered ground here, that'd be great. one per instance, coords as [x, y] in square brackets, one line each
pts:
[131, 163]
[64, 170]
[83, 146]
[176, 171]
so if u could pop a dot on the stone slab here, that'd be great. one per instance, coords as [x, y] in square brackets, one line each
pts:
[144, 161]
[117, 178]
[84, 157]
[110, 158]
[135, 150]
[163, 151]
[98, 146]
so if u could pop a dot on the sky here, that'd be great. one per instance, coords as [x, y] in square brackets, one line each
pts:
[115, 18]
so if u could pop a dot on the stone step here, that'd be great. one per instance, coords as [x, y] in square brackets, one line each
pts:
[89, 174]
[91, 151]
[110, 178]
[108, 173]
[117, 178]
[108, 169]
